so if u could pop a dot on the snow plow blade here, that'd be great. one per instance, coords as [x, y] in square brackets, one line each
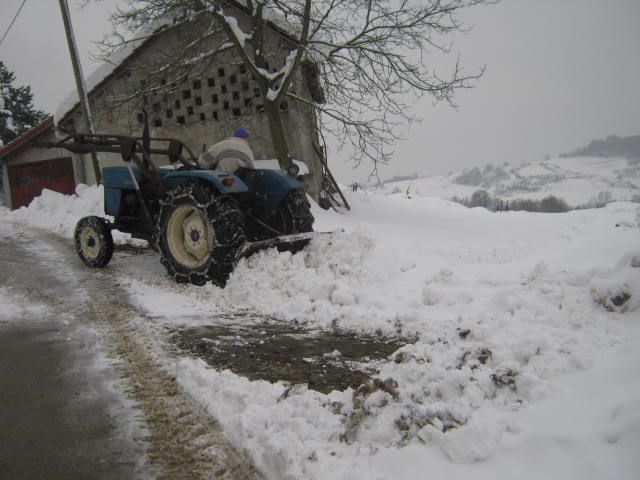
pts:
[293, 242]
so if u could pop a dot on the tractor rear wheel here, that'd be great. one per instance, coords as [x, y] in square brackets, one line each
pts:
[94, 242]
[199, 234]
[293, 215]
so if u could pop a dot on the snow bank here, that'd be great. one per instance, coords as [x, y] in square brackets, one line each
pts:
[503, 308]
[59, 213]
[503, 305]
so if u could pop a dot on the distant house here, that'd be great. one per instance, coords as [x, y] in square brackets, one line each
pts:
[202, 100]
[26, 170]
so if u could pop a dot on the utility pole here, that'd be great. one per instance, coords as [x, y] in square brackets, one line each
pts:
[80, 85]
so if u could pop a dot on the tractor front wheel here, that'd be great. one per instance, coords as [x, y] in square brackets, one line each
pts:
[94, 242]
[199, 234]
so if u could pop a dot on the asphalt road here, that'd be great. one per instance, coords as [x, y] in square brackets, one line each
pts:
[60, 417]
[82, 393]
[55, 418]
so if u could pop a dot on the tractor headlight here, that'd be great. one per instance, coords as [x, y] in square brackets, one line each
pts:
[293, 170]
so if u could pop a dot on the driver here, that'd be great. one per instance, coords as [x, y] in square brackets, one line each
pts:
[229, 154]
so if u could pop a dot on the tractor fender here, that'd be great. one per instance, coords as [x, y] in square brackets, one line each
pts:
[214, 178]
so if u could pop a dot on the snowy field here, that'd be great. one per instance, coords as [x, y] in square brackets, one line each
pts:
[525, 353]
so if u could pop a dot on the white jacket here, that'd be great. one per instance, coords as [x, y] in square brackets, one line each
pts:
[228, 155]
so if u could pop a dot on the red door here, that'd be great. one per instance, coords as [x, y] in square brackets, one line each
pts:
[28, 180]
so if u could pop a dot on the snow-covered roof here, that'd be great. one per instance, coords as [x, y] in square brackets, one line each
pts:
[104, 71]
[274, 19]
[25, 137]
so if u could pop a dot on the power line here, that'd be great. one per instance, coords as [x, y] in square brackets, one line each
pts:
[13, 21]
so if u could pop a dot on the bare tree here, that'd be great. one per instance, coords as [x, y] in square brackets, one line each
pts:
[368, 58]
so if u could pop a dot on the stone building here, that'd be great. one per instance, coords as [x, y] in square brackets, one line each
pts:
[196, 97]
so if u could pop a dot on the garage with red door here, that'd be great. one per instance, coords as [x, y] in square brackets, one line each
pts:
[27, 181]
[27, 170]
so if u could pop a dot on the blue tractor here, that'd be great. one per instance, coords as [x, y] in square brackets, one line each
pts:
[200, 221]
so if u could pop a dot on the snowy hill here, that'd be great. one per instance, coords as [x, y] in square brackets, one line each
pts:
[578, 180]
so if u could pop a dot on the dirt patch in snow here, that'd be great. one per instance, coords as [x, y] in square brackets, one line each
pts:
[278, 351]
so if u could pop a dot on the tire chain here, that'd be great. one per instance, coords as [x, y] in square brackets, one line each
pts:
[102, 229]
[221, 264]
[299, 209]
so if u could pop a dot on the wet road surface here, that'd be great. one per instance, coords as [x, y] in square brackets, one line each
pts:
[81, 396]
[58, 416]
[55, 418]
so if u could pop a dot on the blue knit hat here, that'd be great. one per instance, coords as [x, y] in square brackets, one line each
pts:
[241, 133]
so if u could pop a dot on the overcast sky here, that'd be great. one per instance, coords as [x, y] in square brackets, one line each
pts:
[559, 74]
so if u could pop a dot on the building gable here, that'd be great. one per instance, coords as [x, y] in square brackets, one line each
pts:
[203, 99]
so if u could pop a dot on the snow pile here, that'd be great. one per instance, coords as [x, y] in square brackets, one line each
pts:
[617, 291]
[503, 305]
[502, 309]
[59, 213]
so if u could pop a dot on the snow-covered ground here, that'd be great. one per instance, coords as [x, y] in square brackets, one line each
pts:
[577, 180]
[523, 366]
